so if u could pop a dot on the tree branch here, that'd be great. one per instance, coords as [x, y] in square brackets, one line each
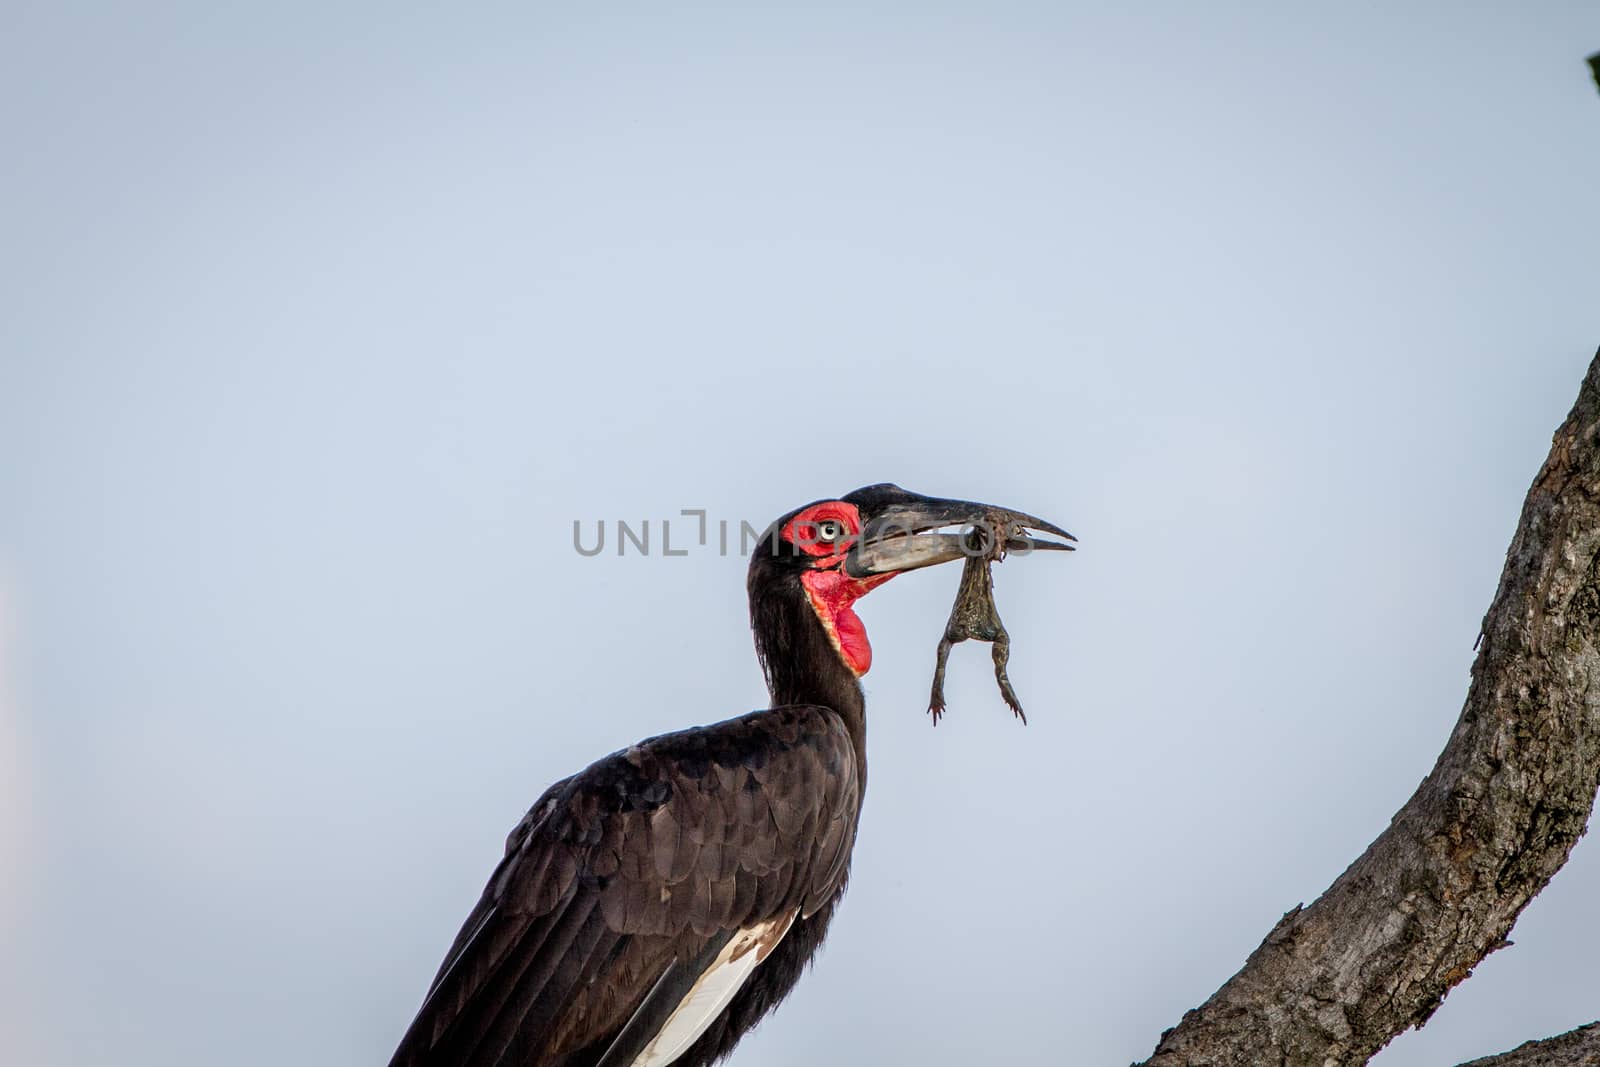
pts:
[1484, 832]
[1575, 1048]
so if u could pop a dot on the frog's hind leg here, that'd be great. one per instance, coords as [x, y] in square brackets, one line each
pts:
[1002, 653]
[936, 697]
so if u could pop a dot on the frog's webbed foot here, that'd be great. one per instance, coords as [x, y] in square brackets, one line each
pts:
[1001, 650]
[936, 697]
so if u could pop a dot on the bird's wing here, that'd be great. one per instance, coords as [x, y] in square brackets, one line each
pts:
[637, 896]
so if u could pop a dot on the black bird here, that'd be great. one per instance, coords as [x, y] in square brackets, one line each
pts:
[651, 909]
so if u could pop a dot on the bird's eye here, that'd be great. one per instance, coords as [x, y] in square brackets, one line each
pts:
[830, 530]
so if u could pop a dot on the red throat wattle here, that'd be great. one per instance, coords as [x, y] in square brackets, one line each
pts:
[832, 593]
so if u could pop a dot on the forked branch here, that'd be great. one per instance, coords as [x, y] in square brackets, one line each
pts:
[1483, 834]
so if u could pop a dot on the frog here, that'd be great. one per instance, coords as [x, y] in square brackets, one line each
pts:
[974, 616]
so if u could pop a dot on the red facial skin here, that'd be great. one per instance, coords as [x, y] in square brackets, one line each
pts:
[832, 592]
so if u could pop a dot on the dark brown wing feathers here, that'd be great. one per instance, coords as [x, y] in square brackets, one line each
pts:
[674, 983]
[643, 859]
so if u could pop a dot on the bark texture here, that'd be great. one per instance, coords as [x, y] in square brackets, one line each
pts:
[1483, 834]
[1576, 1048]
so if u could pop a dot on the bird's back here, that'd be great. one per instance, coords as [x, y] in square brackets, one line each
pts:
[653, 907]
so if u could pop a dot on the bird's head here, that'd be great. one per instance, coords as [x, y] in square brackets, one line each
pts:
[830, 553]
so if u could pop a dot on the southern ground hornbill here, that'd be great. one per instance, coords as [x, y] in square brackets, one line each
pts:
[651, 909]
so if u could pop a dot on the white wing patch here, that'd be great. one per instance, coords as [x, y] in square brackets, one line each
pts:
[713, 990]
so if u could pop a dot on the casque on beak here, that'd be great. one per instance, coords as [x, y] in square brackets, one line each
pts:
[910, 531]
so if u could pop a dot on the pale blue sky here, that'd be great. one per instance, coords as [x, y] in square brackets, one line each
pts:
[322, 324]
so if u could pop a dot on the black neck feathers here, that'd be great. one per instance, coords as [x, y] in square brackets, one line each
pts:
[801, 664]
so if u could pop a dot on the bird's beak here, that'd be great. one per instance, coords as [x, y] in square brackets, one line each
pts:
[923, 531]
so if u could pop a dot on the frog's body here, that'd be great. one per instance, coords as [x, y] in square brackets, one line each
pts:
[974, 616]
